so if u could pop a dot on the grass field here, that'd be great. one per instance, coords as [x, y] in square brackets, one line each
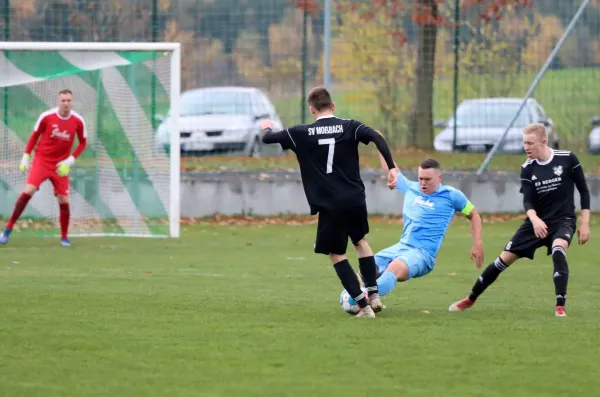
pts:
[249, 310]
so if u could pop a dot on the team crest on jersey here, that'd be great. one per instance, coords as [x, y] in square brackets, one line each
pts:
[56, 133]
[558, 170]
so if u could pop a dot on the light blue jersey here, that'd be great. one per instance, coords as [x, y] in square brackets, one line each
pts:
[426, 219]
[427, 216]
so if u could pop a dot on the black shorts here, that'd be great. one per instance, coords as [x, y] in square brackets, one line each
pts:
[524, 243]
[336, 226]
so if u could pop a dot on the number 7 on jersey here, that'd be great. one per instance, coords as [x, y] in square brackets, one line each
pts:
[331, 143]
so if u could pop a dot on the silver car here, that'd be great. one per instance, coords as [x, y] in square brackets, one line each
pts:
[221, 120]
[481, 122]
[594, 137]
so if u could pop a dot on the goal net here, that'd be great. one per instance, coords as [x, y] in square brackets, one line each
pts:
[124, 184]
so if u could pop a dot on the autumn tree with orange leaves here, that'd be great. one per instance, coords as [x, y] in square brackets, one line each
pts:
[426, 15]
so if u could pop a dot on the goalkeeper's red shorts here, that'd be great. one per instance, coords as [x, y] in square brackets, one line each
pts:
[41, 171]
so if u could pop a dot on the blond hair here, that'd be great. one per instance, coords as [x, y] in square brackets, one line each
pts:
[538, 129]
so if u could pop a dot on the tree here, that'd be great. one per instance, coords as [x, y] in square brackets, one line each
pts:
[492, 60]
[200, 61]
[421, 117]
[378, 63]
[539, 47]
[283, 72]
[426, 15]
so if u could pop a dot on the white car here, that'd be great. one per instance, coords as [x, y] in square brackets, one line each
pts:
[481, 122]
[221, 120]
[594, 137]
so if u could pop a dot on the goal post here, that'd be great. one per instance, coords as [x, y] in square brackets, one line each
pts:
[125, 183]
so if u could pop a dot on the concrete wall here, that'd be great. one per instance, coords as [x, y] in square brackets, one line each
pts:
[228, 193]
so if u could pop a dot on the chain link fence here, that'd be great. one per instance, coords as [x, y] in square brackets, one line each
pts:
[391, 61]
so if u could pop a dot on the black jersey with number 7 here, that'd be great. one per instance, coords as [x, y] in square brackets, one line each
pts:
[327, 153]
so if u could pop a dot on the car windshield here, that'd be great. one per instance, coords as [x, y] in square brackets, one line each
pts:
[215, 102]
[494, 115]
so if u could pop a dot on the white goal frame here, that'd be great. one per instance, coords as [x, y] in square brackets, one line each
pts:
[175, 92]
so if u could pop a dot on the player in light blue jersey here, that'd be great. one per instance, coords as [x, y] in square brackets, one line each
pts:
[429, 207]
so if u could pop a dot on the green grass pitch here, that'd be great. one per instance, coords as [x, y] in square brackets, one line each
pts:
[251, 311]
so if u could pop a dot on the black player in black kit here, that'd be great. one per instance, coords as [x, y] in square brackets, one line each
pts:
[327, 153]
[548, 178]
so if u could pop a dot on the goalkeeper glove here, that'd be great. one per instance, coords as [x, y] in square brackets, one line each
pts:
[24, 163]
[65, 166]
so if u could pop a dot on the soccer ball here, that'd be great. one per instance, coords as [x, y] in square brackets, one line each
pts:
[348, 304]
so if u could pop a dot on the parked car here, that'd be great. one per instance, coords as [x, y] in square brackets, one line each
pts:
[481, 122]
[221, 120]
[594, 137]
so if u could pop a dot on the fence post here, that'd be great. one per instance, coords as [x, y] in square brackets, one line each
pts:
[153, 88]
[6, 38]
[304, 64]
[456, 69]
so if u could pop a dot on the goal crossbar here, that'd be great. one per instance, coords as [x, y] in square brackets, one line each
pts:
[87, 46]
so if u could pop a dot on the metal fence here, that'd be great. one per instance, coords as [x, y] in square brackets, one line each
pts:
[390, 61]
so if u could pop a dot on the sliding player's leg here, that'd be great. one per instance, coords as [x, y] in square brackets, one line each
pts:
[400, 263]
[61, 191]
[37, 175]
[332, 240]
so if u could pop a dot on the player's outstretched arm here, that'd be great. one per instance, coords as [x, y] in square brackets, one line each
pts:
[583, 231]
[284, 137]
[365, 135]
[403, 182]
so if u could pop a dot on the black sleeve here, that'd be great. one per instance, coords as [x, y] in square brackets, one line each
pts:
[527, 189]
[579, 178]
[284, 138]
[366, 134]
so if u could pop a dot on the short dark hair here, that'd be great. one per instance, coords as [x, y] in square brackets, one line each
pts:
[319, 98]
[65, 91]
[430, 163]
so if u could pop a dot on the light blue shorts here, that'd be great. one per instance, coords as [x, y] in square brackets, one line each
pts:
[419, 263]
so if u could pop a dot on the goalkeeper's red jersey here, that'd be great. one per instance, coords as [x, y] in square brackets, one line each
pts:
[56, 135]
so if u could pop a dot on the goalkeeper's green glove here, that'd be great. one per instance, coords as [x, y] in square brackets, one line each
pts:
[24, 163]
[65, 166]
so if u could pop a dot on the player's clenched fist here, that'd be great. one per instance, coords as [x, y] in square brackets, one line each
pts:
[24, 163]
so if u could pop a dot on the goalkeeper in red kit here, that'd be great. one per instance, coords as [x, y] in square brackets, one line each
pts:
[54, 134]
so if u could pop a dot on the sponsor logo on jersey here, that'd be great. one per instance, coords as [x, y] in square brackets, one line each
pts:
[426, 203]
[56, 133]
